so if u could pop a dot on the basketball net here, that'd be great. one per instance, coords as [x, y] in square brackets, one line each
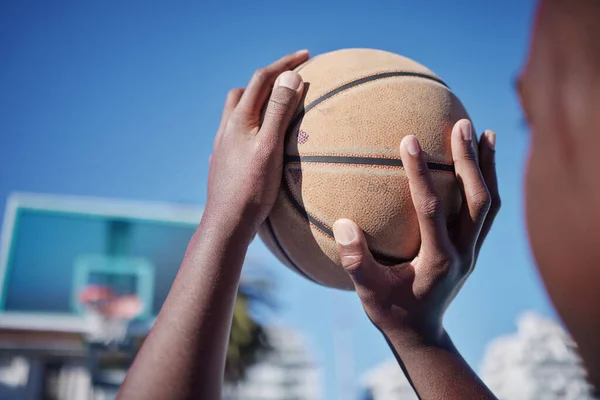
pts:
[108, 315]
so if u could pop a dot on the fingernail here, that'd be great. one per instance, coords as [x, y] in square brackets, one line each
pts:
[465, 129]
[289, 79]
[412, 145]
[343, 232]
[491, 137]
[303, 51]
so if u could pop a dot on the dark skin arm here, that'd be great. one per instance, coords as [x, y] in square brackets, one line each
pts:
[435, 368]
[407, 302]
[184, 354]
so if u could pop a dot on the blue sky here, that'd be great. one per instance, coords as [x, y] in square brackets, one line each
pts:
[122, 99]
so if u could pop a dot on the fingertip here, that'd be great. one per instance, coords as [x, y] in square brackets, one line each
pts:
[285, 96]
[464, 143]
[411, 145]
[352, 248]
[490, 138]
[234, 95]
[289, 79]
[345, 232]
[462, 131]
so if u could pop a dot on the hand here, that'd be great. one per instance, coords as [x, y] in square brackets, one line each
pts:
[412, 297]
[246, 164]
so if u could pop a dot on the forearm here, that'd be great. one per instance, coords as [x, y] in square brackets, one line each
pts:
[435, 368]
[184, 354]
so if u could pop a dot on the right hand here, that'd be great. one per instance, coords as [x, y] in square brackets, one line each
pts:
[246, 164]
[412, 297]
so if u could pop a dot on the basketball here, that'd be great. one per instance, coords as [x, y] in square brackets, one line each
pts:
[342, 160]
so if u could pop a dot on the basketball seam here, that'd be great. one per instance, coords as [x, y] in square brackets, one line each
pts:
[358, 82]
[323, 227]
[285, 255]
[370, 166]
[374, 162]
[287, 190]
[332, 153]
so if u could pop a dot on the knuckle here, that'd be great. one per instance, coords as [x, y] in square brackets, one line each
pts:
[440, 261]
[269, 143]
[234, 94]
[236, 120]
[467, 156]
[496, 203]
[279, 103]
[430, 207]
[261, 75]
[266, 148]
[444, 267]
[467, 264]
[464, 269]
[481, 199]
[421, 170]
[352, 261]
[495, 206]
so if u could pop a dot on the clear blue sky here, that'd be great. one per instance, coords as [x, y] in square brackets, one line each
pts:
[122, 99]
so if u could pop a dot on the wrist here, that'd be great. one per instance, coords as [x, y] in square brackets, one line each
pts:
[410, 338]
[225, 225]
[218, 243]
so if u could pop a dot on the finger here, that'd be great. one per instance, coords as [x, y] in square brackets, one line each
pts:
[232, 100]
[283, 102]
[430, 213]
[475, 192]
[487, 162]
[261, 83]
[355, 255]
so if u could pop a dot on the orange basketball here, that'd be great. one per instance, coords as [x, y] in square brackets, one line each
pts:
[342, 160]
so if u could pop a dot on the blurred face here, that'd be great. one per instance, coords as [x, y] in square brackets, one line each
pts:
[560, 93]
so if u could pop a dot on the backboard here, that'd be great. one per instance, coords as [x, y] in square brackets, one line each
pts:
[52, 247]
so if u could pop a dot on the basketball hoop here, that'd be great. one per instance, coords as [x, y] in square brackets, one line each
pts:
[108, 315]
[113, 293]
[105, 330]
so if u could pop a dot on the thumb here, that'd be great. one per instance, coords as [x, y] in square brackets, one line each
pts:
[283, 101]
[354, 252]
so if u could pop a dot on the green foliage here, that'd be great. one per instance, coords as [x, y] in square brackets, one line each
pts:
[248, 340]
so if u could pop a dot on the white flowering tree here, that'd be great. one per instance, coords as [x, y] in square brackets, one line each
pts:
[539, 361]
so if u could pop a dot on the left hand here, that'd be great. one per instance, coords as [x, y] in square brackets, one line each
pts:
[412, 297]
[247, 161]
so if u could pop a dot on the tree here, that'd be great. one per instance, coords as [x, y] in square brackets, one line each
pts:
[248, 340]
[539, 361]
[387, 381]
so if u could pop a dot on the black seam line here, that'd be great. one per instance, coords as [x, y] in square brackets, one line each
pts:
[287, 257]
[373, 161]
[326, 230]
[388, 162]
[357, 82]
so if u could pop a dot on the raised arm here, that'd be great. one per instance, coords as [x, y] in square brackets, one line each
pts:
[407, 302]
[184, 354]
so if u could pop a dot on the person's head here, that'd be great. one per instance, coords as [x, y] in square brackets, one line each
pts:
[560, 92]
